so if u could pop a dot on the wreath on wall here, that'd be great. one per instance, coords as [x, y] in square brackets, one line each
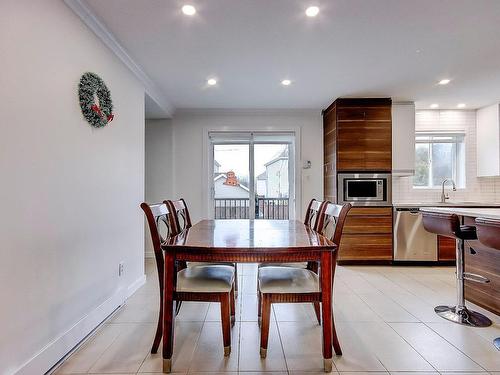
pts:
[95, 100]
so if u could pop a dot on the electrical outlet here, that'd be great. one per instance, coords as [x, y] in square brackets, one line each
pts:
[121, 268]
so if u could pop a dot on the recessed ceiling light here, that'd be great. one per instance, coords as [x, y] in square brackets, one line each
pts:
[312, 11]
[461, 105]
[211, 81]
[444, 81]
[286, 82]
[434, 106]
[188, 10]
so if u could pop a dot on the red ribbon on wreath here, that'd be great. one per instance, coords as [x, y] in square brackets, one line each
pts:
[97, 110]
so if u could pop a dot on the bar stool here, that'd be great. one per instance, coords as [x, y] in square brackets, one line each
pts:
[488, 233]
[448, 225]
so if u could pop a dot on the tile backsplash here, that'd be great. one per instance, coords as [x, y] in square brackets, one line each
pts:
[482, 189]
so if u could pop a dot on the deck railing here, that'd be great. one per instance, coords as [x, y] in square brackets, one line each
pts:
[239, 208]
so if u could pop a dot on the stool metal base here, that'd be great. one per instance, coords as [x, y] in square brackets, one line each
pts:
[463, 316]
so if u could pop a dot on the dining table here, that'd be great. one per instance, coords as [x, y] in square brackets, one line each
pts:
[250, 241]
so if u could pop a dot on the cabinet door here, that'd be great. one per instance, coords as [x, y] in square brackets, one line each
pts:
[367, 235]
[364, 145]
[488, 141]
[403, 139]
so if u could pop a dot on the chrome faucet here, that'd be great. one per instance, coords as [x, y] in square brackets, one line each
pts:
[444, 196]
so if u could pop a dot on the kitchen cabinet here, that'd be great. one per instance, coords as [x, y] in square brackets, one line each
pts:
[403, 139]
[367, 236]
[357, 136]
[447, 248]
[488, 141]
[486, 262]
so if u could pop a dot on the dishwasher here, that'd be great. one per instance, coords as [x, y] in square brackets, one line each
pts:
[411, 241]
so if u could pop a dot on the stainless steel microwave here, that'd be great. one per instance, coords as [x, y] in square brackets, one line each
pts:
[365, 189]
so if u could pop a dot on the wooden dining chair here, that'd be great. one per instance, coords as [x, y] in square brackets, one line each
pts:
[299, 285]
[183, 222]
[311, 220]
[209, 283]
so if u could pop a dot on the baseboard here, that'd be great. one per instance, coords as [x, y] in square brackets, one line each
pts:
[136, 285]
[59, 348]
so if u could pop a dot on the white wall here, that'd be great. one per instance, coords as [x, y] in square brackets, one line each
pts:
[189, 127]
[159, 167]
[485, 189]
[70, 194]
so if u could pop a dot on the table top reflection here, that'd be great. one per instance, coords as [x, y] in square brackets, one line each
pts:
[251, 234]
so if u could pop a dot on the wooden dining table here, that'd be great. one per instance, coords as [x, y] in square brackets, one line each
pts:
[250, 241]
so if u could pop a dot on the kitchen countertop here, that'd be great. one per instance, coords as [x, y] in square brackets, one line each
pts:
[447, 204]
[488, 213]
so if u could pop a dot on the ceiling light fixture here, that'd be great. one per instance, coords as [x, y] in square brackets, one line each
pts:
[461, 105]
[286, 82]
[434, 106]
[312, 11]
[211, 81]
[188, 10]
[444, 81]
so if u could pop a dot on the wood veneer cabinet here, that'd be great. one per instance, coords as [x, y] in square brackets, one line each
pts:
[357, 137]
[486, 262]
[367, 236]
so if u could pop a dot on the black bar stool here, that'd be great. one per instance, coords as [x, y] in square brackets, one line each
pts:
[448, 225]
[488, 233]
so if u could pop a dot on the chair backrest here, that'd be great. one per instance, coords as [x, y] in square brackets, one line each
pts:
[181, 214]
[488, 232]
[444, 224]
[312, 213]
[161, 226]
[331, 220]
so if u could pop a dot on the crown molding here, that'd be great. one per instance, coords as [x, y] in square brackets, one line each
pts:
[249, 111]
[82, 10]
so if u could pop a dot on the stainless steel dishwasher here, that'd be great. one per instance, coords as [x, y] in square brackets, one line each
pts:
[411, 241]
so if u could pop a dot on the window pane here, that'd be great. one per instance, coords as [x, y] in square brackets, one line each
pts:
[421, 164]
[442, 162]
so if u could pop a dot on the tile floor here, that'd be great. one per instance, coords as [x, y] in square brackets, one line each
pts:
[384, 315]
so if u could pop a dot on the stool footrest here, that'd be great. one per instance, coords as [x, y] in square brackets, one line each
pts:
[476, 278]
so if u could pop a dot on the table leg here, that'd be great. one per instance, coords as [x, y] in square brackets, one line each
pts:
[326, 305]
[168, 311]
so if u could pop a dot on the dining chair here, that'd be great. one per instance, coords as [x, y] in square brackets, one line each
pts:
[311, 220]
[299, 285]
[183, 221]
[208, 283]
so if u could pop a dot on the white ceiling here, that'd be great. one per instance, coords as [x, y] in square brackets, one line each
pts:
[358, 48]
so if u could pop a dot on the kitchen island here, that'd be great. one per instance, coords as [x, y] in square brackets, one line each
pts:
[479, 259]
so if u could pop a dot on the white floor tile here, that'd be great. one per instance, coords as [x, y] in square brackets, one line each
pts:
[442, 355]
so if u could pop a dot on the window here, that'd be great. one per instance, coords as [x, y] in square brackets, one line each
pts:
[438, 157]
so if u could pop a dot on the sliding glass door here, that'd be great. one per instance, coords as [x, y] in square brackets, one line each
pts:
[252, 175]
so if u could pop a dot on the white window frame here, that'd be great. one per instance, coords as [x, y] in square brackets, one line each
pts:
[457, 138]
[294, 172]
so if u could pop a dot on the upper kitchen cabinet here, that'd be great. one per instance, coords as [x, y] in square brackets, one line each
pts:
[358, 132]
[403, 139]
[488, 141]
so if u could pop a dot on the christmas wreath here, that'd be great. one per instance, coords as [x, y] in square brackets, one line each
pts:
[95, 100]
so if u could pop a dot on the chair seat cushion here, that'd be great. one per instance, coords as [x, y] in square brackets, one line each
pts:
[205, 279]
[296, 265]
[287, 280]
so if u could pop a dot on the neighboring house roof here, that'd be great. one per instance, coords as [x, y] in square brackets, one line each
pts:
[216, 163]
[283, 155]
[262, 176]
[220, 175]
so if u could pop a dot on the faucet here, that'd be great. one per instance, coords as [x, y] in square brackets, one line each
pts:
[444, 196]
